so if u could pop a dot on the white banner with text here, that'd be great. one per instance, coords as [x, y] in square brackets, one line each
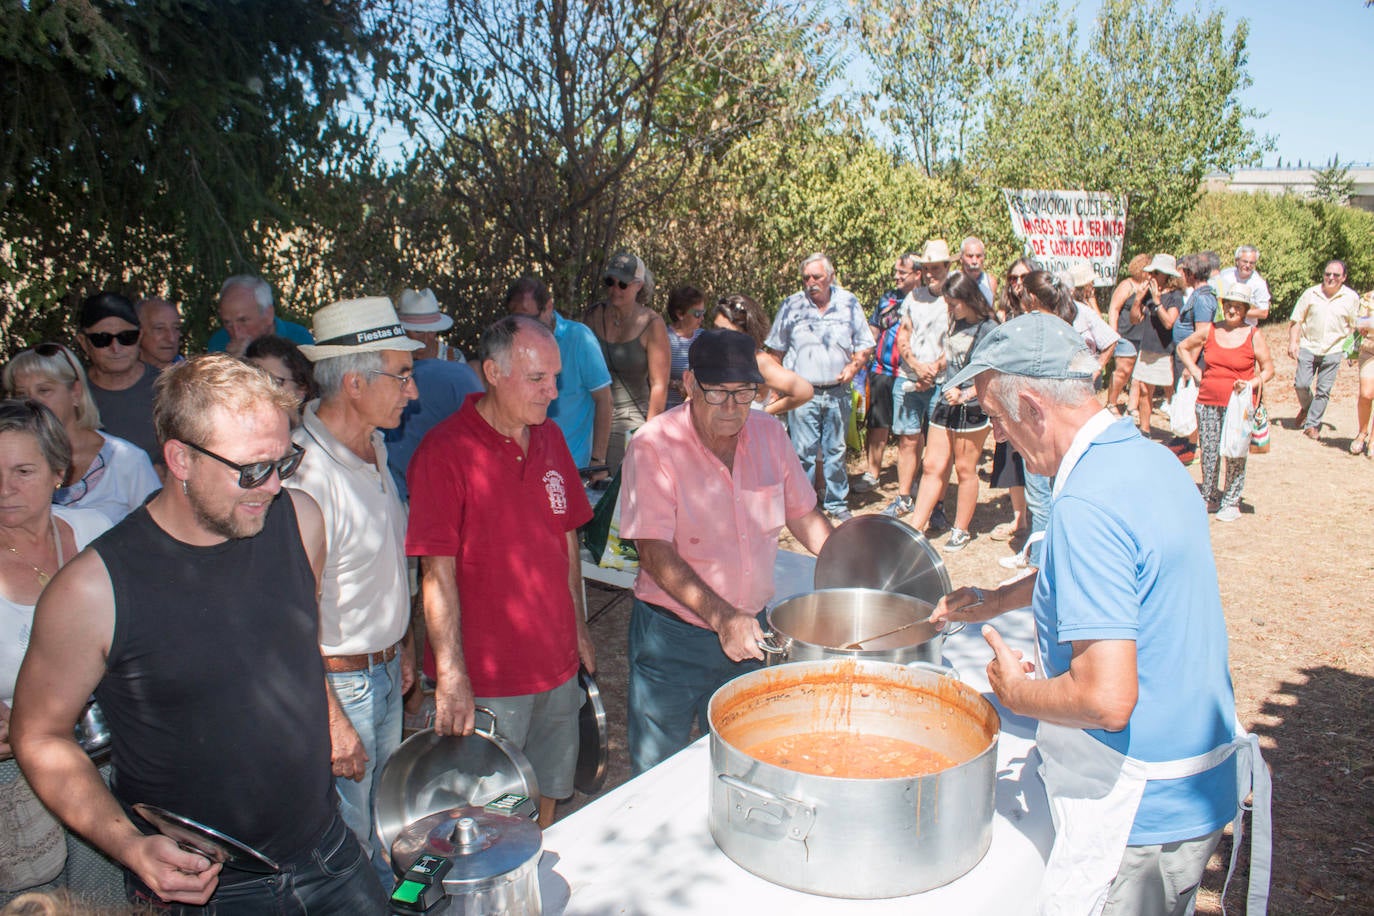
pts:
[1061, 229]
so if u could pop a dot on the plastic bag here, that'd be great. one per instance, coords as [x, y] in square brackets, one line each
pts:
[1183, 408]
[601, 535]
[1237, 425]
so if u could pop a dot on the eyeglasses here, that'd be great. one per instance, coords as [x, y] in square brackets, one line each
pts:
[1333, 276]
[1017, 276]
[718, 396]
[403, 379]
[612, 281]
[698, 313]
[252, 476]
[100, 339]
[49, 350]
[78, 489]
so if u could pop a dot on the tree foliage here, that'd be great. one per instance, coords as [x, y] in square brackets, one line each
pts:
[554, 124]
[1333, 183]
[144, 142]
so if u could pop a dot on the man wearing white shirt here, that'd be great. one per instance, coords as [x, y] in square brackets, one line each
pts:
[1247, 257]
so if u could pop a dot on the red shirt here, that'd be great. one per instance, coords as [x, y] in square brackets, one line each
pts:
[504, 516]
[1224, 366]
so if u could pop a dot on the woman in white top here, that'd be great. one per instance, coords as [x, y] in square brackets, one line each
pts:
[36, 539]
[106, 473]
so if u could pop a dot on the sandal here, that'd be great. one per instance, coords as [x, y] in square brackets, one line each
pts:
[1359, 446]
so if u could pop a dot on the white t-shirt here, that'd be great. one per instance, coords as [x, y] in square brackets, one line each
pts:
[929, 317]
[17, 619]
[1096, 333]
[117, 482]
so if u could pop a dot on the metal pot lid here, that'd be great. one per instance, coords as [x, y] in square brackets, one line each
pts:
[482, 846]
[594, 750]
[876, 551]
[194, 836]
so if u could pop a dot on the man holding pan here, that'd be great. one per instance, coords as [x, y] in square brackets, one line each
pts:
[707, 488]
[1138, 737]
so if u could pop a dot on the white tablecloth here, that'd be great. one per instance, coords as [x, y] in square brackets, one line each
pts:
[645, 848]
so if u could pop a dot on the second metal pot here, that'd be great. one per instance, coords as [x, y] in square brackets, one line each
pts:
[820, 624]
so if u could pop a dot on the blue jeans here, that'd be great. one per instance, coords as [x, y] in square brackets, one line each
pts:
[1038, 491]
[333, 877]
[1323, 369]
[674, 669]
[372, 701]
[820, 424]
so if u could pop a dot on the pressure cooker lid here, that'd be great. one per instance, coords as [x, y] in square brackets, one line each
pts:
[594, 748]
[877, 551]
[483, 846]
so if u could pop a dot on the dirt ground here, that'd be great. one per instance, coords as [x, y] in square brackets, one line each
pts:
[1296, 573]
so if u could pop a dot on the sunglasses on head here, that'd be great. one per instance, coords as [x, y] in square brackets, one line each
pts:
[252, 476]
[612, 281]
[101, 339]
[49, 350]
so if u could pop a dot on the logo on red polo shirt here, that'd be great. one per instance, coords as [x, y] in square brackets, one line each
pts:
[558, 494]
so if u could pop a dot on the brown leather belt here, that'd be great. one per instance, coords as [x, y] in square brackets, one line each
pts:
[340, 664]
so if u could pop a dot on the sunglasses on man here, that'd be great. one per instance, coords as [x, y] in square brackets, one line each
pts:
[101, 339]
[252, 476]
[612, 281]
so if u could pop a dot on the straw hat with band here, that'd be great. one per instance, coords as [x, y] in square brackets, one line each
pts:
[357, 326]
[420, 312]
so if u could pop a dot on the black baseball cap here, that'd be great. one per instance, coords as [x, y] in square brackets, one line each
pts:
[107, 305]
[718, 356]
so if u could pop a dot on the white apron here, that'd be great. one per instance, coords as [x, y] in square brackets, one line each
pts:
[1094, 791]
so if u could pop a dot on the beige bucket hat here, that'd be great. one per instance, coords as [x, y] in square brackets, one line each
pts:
[420, 312]
[936, 252]
[1163, 264]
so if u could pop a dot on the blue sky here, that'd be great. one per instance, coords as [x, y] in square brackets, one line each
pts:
[1312, 67]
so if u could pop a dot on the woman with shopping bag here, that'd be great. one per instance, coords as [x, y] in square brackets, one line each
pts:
[1237, 363]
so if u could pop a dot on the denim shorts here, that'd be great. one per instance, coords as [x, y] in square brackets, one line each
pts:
[911, 410]
[1125, 348]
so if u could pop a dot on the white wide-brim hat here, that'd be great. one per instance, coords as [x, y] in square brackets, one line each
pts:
[357, 326]
[1239, 292]
[935, 252]
[1163, 264]
[1081, 274]
[420, 312]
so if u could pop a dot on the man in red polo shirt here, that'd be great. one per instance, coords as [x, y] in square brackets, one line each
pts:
[495, 503]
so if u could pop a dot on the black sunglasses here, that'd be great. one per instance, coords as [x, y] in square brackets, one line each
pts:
[100, 339]
[252, 476]
[612, 281]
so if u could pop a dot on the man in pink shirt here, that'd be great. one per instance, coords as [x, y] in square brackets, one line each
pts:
[707, 488]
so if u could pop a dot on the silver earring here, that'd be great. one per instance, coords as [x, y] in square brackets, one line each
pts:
[185, 489]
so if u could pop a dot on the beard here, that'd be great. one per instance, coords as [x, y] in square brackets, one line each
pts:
[222, 520]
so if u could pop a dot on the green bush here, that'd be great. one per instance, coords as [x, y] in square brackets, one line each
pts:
[1295, 237]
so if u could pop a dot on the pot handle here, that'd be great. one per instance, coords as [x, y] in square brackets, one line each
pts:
[491, 732]
[771, 645]
[754, 809]
[948, 671]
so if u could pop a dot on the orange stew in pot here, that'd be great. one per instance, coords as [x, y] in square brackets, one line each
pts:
[849, 756]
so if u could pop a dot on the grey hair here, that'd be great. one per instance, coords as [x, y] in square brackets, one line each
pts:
[1247, 249]
[972, 238]
[498, 339]
[1067, 392]
[821, 259]
[330, 372]
[38, 421]
[260, 288]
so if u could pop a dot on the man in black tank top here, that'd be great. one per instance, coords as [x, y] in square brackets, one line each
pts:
[194, 621]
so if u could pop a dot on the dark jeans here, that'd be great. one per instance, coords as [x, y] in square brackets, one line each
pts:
[674, 669]
[334, 877]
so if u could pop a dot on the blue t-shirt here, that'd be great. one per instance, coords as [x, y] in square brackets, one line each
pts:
[1125, 563]
[443, 386]
[584, 371]
[291, 331]
[1200, 307]
[887, 318]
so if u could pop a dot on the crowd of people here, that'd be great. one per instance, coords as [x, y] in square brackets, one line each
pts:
[259, 658]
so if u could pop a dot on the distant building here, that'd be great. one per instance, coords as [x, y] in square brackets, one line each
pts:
[1295, 180]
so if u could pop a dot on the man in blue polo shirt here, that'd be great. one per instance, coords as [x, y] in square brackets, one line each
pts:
[583, 407]
[247, 312]
[1137, 716]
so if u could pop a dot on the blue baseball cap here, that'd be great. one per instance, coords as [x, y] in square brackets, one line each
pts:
[1036, 345]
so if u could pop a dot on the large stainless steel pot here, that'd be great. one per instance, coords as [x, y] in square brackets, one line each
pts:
[820, 624]
[847, 837]
[430, 773]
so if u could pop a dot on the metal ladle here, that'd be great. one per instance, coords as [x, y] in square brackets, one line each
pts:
[859, 643]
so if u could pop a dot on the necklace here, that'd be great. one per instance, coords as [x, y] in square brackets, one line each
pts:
[43, 578]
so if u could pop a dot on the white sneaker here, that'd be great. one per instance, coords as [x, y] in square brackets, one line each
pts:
[1228, 513]
[1015, 561]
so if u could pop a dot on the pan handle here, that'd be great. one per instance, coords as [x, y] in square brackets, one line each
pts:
[490, 732]
[772, 645]
[948, 671]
